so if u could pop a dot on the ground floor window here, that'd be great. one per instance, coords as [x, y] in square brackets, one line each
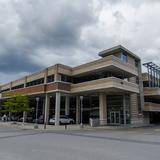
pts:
[116, 113]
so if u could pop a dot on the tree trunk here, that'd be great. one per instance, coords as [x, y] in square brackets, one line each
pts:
[24, 116]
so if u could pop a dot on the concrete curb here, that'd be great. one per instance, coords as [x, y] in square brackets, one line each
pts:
[30, 126]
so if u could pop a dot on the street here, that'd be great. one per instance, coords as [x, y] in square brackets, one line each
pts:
[122, 144]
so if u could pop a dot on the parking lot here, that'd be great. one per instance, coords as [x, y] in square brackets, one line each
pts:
[87, 144]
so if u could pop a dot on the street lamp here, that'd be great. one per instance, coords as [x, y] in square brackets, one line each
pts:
[36, 125]
[81, 99]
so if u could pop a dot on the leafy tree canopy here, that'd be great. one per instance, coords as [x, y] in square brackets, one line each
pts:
[17, 104]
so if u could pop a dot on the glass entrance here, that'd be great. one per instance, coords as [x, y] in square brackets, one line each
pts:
[115, 117]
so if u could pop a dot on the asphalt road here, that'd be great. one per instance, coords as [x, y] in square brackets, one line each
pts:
[124, 144]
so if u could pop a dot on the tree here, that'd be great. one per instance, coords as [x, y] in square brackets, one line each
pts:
[17, 104]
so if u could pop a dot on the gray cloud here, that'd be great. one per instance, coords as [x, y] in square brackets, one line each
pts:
[53, 23]
[17, 63]
[37, 33]
[51, 27]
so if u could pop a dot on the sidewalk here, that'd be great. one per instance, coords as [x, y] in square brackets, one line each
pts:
[30, 126]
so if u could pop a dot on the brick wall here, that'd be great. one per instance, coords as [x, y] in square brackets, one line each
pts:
[39, 89]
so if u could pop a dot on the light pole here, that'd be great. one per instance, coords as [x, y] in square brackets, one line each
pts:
[81, 99]
[36, 125]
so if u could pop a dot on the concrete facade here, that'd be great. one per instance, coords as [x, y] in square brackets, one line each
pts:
[114, 74]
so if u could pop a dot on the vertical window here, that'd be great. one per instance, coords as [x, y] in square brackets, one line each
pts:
[50, 78]
[124, 57]
[65, 78]
[136, 63]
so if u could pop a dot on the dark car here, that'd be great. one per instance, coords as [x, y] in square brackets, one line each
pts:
[40, 120]
[15, 118]
[28, 119]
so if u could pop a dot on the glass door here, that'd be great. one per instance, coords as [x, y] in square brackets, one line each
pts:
[115, 117]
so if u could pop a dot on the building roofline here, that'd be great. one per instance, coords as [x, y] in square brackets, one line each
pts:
[109, 51]
[103, 53]
[36, 72]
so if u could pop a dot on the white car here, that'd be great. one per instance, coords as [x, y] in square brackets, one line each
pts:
[62, 120]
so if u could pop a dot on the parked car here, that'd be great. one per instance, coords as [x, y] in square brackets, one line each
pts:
[40, 120]
[62, 120]
[14, 118]
[28, 119]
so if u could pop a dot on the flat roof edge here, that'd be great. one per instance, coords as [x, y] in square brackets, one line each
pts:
[115, 48]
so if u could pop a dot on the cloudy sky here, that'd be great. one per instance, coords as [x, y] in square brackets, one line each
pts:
[38, 33]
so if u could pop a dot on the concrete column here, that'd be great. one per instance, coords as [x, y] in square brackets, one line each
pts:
[134, 103]
[77, 109]
[102, 109]
[67, 105]
[134, 108]
[25, 81]
[45, 76]
[124, 109]
[57, 108]
[47, 105]
[57, 76]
